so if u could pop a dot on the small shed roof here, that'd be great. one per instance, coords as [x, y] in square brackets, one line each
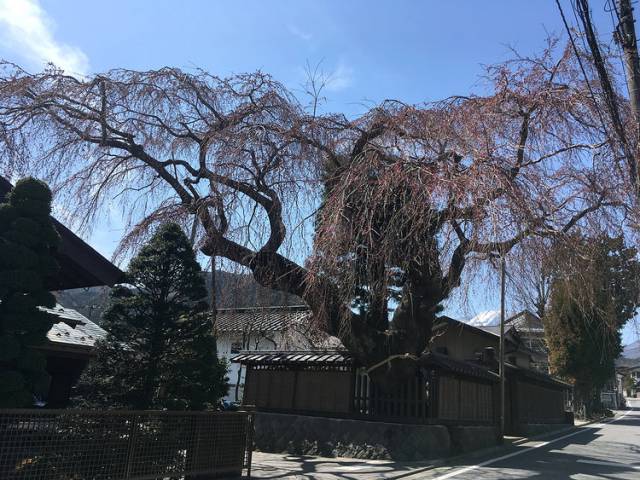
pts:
[260, 319]
[298, 358]
[344, 358]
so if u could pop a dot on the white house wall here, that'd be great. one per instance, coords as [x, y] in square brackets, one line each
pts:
[256, 342]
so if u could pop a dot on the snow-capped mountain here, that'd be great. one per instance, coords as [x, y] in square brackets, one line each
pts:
[488, 318]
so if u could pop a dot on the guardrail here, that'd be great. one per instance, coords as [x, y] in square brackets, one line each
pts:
[123, 445]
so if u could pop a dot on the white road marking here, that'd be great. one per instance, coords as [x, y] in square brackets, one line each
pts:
[455, 473]
[608, 464]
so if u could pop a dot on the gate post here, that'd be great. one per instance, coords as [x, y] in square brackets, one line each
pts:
[249, 444]
[133, 433]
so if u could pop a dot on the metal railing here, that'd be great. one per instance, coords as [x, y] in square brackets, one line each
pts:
[123, 445]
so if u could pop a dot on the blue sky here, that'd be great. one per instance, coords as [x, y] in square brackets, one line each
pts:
[410, 50]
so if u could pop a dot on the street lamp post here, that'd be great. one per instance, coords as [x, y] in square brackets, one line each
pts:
[501, 364]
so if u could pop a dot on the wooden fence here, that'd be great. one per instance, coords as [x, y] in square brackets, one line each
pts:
[432, 396]
[465, 400]
[410, 402]
[536, 403]
[308, 389]
[443, 391]
[127, 445]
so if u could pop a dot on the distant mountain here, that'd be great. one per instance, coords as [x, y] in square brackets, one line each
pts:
[239, 290]
[90, 302]
[233, 290]
[632, 350]
[488, 318]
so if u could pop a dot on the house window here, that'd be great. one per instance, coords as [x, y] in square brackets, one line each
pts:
[236, 347]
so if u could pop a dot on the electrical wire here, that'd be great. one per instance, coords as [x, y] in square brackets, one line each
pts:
[584, 72]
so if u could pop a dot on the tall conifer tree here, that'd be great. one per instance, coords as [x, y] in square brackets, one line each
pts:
[160, 352]
[28, 241]
[595, 293]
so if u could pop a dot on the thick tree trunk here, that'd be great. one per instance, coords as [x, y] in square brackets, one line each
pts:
[389, 352]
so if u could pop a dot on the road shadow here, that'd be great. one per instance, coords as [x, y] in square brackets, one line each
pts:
[567, 458]
[310, 467]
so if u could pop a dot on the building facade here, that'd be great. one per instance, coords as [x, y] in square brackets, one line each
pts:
[531, 332]
[260, 329]
[69, 347]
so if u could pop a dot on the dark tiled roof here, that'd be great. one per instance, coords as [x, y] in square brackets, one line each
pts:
[307, 357]
[485, 371]
[74, 331]
[495, 329]
[459, 326]
[536, 375]
[526, 321]
[260, 319]
[624, 362]
[446, 363]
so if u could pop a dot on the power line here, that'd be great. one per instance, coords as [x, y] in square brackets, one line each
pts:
[611, 7]
[607, 89]
[584, 73]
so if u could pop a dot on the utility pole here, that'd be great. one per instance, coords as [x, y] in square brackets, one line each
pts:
[501, 368]
[214, 299]
[625, 36]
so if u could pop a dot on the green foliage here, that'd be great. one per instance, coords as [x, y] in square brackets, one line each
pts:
[28, 241]
[595, 293]
[160, 352]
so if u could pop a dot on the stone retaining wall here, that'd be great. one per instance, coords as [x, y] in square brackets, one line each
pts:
[336, 437]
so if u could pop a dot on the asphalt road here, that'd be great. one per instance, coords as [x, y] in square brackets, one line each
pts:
[608, 450]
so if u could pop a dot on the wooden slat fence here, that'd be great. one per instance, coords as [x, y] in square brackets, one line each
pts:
[305, 390]
[538, 403]
[433, 396]
[465, 400]
[409, 402]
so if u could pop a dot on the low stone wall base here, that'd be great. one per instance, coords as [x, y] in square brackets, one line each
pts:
[336, 437]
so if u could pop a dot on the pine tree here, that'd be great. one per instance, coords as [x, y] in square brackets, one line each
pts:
[28, 241]
[160, 352]
[594, 295]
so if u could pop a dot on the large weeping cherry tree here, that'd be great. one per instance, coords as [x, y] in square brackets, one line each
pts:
[403, 200]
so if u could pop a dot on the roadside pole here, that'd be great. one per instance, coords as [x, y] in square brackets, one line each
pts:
[502, 315]
[625, 36]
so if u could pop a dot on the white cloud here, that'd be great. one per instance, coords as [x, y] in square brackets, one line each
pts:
[298, 32]
[341, 78]
[27, 30]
